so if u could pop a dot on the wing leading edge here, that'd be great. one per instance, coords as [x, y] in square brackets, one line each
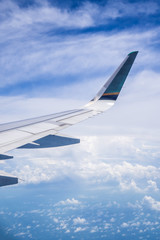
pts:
[44, 131]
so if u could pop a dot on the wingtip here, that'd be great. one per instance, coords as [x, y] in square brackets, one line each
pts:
[134, 53]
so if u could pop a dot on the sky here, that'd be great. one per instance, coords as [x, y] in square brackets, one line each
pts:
[55, 56]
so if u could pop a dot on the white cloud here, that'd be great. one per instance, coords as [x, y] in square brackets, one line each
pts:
[107, 225]
[58, 57]
[84, 16]
[135, 224]
[147, 223]
[63, 225]
[112, 219]
[19, 18]
[20, 234]
[94, 229]
[28, 56]
[56, 220]
[135, 205]
[124, 225]
[155, 205]
[68, 201]
[79, 229]
[79, 220]
[126, 185]
[116, 163]
[153, 185]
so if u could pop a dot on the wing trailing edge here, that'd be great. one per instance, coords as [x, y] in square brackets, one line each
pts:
[7, 179]
[51, 141]
[5, 157]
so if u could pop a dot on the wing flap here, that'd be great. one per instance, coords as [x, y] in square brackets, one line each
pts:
[7, 180]
[5, 157]
[51, 141]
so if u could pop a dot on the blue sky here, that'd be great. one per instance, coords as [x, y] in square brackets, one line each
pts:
[36, 36]
[55, 55]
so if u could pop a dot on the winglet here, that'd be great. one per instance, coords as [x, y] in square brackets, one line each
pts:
[113, 86]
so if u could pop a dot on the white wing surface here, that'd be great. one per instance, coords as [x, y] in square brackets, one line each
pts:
[43, 132]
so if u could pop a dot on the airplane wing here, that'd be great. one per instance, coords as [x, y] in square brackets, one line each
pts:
[43, 132]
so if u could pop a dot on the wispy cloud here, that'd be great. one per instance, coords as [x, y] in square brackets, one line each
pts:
[69, 60]
[32, 52]
[86, 15]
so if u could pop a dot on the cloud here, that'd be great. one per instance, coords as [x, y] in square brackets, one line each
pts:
[107, 225]
[79, 229]
[152, 203]
[20, 234]
[32, 52]
[112, 219]
[94, 229]
[49, 61]
[56, 220]
[121, 162]
[79, 220]
[130, 186]
[68, 202]
[45, 14]
[124, 225]
[119, 9]
[86, 15]
[135, 224]
[153, 185]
